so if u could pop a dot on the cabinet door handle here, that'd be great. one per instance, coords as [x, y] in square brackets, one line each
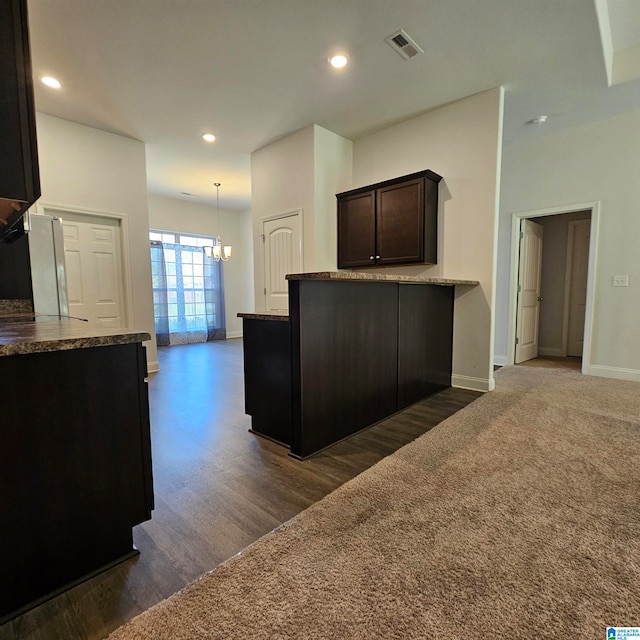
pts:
[377, 257]
[372, 257]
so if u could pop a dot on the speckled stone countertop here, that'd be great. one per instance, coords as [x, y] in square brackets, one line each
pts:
[380, 277]
[266, 315]
[15, 306]
[25, 333]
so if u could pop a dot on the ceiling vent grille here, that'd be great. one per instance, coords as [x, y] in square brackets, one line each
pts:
[404, 44]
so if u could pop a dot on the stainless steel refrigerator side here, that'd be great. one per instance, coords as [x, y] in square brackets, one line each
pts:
[61, 271]
[46, 254]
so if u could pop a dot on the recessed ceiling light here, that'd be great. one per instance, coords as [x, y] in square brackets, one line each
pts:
[538, 120]
[54, 83]
[209, 137]
[339, 60]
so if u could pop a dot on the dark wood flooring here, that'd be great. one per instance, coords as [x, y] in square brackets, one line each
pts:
[218, 488]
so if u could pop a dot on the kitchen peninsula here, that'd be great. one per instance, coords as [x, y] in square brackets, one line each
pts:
[354, 349]
[76, 459]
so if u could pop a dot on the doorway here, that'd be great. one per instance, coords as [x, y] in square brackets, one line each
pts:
[558, 324]
[95, 266]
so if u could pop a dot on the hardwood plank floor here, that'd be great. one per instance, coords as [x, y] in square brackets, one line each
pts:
[218, 488]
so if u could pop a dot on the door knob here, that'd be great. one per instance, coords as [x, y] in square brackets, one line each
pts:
[540, 298]
[377, 257]
[372, 257]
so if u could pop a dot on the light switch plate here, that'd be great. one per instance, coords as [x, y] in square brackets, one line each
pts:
[620, 281]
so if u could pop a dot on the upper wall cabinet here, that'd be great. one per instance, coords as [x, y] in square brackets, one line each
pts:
[392, 222]
[19, 175]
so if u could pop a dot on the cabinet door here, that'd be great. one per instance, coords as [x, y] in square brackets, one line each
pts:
[400, 222]
[356, 230]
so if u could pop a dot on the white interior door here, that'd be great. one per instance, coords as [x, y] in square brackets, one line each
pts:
[579, 232]
[529, 277]
[95, 284]
[282, 255]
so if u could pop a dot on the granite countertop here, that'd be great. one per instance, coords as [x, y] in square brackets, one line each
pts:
[280, 316]
[15, 307]
[377, 277]
[22, 333]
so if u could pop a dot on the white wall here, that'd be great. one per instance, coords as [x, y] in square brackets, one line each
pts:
[282, 181]
[302, 171]
[593, 163]
[90, 170]
[171, 214]
[333, 161]
[462, 143]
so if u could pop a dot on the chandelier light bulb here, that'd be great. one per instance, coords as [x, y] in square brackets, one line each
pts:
[218, 251]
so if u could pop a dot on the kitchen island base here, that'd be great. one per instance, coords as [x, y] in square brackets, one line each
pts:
[361, 349]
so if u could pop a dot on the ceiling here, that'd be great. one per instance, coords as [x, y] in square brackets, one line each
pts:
[251, 71]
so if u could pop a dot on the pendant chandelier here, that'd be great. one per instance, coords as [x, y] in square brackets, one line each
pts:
[218, 251]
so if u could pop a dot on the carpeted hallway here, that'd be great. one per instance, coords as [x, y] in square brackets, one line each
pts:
[518, 517]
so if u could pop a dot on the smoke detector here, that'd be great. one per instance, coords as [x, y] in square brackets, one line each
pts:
[404, 44]
[538, 120]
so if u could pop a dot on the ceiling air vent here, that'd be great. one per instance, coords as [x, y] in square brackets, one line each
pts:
[404, 44]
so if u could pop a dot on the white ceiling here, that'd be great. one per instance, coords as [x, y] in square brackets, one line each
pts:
[251, 71]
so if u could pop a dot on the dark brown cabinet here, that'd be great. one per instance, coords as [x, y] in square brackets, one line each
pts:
[392, 222]
[267, 377]
[76, 468]
[19, 174]
[351, 354]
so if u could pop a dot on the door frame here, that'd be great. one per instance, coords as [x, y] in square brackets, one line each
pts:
[277, 216]
[516, 217]
[54, 209]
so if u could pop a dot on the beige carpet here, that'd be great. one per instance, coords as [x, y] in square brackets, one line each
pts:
[518, 517]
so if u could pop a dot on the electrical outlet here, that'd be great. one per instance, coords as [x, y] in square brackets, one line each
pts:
[620, 281]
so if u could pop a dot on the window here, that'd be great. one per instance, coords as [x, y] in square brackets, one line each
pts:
[187, 289]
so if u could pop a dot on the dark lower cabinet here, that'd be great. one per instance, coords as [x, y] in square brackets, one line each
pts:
[75, 474]
[351, 354]
[267, 377]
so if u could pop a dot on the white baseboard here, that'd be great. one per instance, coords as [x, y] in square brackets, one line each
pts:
[500, 361]
[234, 334]
[613, 372]
[548, 351]
[473, 384]
[153, 366]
